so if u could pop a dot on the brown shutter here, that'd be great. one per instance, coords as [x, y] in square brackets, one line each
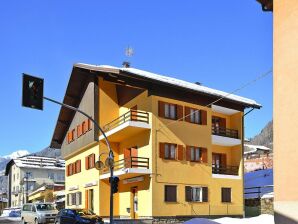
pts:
[161, 109]
[203, 117]
[89, 125]
[187, 114]
[187, 153]
[86, 199]
[205, 194]
[87, 163]
[180, 152]
[223, 160]
[67, 170]
[188, 193]
[93, 160]
[161, 150]
[79, 166]
[204, 157]
[179, 112]
[74, 168]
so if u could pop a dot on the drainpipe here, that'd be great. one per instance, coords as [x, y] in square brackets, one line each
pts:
[242, 144]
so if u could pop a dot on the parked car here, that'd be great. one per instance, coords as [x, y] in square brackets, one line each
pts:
[11, 212]
[38, 213]
[77, 216]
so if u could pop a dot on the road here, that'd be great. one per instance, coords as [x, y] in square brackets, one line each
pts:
[7, 220]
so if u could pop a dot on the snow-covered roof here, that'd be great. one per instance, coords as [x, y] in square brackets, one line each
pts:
[175, 82]
[40, 162]
[254, 148]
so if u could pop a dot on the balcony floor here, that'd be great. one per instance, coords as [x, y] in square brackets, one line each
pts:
[225, 141]
[126, 173]
[125, 130]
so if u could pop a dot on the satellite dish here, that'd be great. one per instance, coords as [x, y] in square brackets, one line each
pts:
[99, 165]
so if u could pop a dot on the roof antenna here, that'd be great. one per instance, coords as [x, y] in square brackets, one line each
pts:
[129, 52]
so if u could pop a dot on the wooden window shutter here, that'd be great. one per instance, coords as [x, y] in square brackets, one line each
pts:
[187, 114]
[67, 170]
[86, 199]
[161, 109]
[89, 125]
[179, 112]
[188, 193]
[203, 114]
[161, 150]
[204, 153]
[84, 127]
[93, 160]
[187, 153]
[78, 166]
[87, 163]
[205, 194]
[79, 131]
[180, 152]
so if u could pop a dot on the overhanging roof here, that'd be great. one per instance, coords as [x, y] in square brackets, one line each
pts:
[267, 5]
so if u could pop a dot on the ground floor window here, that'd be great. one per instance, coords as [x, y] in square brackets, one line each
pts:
[226, 194]
[170, 193]
[74, 198]
[196, 194]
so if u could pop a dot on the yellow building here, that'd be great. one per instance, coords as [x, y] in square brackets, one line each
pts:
[178, 149]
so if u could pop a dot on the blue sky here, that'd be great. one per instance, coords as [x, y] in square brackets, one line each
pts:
[222, 44]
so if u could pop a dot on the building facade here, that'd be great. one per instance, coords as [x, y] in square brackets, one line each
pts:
[177, 154]
[27, 173]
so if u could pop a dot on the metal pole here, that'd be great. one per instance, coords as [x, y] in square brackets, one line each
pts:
[27, 193]
[111, 154]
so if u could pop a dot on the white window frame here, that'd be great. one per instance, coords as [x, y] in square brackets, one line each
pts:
[194, 194]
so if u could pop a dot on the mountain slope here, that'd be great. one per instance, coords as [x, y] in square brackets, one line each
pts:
[265, 137]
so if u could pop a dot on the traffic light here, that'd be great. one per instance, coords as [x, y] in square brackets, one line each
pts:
[114, 182]
[32, 92]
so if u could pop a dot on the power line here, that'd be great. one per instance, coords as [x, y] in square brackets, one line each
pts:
[263, 75]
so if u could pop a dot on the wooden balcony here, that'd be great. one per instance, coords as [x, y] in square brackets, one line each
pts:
[128, 168]
[225, 136]
[127, 125]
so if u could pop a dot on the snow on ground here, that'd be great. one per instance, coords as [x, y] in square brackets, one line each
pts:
[262, 219]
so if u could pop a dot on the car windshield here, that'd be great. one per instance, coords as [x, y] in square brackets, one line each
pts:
[83, 212]
[44, 207]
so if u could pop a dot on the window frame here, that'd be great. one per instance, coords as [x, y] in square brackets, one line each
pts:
[194, 151]
[170, 105]
[169, 148]
[227, 198]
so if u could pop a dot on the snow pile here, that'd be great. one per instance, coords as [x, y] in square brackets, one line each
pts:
[262, 219]
[17, 154]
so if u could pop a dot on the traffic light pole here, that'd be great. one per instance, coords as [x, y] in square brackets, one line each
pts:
[111, 154]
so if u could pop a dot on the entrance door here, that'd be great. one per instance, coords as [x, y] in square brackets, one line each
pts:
[89, 200]
[130, 156]
[134, 203]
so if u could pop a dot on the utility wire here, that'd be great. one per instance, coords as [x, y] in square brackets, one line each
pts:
[263, 75]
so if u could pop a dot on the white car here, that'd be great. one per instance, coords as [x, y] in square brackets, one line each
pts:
[38, 213]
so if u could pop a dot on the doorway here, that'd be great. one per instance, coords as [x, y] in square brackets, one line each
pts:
[219, 162]
[134, 203]
[130, 155]
[134, 113]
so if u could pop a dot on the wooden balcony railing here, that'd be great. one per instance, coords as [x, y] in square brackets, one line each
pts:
[226, 170]
[226, 132]
[131, 115]
[131, 162]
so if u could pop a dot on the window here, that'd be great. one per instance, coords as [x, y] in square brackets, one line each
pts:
[170, 193]
[169, 110]
[226, 194]
[78, 166]
[195, 154]
[170, 151]
[195, 116]
[196, 194]
[90, 161]
[74, 198]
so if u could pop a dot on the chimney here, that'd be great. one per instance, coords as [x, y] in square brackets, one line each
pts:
[126, 64]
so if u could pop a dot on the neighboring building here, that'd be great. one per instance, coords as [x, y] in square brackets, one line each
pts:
[176, 154]
[3, 201]
[257, 157]
[258, 185]
[27, 173]
[45, 193]
[285, 86]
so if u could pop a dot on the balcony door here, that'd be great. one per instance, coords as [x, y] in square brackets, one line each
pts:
[134, 114]
[219, 161]
[129, 157]
[218, 124]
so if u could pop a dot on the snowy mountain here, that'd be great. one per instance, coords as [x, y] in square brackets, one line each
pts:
[16, 154]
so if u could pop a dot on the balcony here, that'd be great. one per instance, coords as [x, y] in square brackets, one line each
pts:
[128, 168]
[229, 172]
[225, 136]
[127, 125]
